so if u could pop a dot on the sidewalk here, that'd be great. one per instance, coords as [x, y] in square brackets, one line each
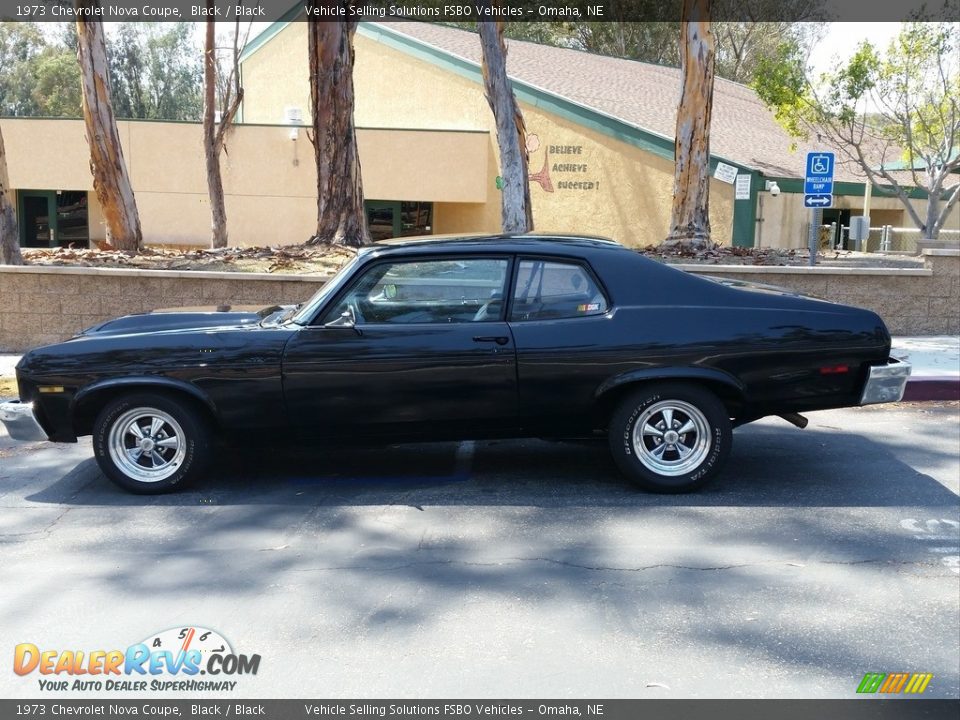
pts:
[935, 361]
[936, 366]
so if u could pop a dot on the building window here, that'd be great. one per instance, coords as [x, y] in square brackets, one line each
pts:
[398, 218]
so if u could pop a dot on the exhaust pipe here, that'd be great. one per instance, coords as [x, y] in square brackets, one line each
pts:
[795, 419]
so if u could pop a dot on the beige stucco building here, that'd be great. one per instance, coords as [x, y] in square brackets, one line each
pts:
[600, 151]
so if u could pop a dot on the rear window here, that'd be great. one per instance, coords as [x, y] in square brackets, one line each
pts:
[551, 289]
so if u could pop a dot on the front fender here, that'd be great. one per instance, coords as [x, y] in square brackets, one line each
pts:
[671, 373]
[149, 382]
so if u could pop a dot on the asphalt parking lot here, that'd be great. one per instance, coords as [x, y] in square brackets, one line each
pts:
[512, 569]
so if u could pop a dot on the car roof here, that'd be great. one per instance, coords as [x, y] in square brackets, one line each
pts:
[472, 243]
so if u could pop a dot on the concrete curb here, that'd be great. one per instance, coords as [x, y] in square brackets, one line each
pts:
[928, 389]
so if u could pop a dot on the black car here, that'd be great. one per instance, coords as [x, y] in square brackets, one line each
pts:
[503, 336]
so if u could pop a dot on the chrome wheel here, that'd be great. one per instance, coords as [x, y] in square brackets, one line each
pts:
[147, 444]
[671, 438]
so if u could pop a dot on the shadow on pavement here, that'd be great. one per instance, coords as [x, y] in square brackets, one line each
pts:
[770, 466]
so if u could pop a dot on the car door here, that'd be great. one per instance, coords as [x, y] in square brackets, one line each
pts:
[411, 346]
[559, 317]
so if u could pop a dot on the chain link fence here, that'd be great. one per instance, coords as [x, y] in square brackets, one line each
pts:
[883, 239]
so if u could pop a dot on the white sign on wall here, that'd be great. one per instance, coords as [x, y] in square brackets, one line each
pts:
[742, 191]
[725, 173]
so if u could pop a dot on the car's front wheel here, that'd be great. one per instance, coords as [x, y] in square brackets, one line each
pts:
[149, 444]
[670, 438]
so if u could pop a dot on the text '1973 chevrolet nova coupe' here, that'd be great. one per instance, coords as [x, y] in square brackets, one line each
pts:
[503, 336]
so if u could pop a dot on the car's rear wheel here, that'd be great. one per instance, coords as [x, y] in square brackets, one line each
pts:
[670, 438]
[150, 444]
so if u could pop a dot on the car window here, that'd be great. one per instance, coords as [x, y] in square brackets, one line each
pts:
[548, 289]
[427, 291]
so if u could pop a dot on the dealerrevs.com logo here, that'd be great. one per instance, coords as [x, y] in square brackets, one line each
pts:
[172, 660]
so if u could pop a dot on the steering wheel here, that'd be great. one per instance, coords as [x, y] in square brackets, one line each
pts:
[354, 305]
[484, 312]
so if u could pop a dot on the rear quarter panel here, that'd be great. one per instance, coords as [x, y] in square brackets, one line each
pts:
[773, 345]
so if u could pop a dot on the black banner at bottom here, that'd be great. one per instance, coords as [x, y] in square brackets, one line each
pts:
[854, 709]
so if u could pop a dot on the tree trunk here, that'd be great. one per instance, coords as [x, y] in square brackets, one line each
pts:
[690, 221]
[931, 230]
[340, 215]
[211, 152]
[110, 179]
[516, 212]
[9, 240]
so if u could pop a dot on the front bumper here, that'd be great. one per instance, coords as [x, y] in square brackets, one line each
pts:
[21, 421]
[885, 383]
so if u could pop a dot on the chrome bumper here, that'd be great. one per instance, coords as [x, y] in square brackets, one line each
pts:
[885, 383]
[21, 421]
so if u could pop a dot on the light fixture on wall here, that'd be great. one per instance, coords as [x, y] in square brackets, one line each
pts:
[293, 116]
[772, 188]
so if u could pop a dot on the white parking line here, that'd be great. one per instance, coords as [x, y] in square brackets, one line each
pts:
[938, 530]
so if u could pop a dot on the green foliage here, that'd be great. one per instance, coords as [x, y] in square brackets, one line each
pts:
[892, 112]
[38, 76]
[904, 95]
[156, 71]
[56, 90]
[781, 83]
[653, 42]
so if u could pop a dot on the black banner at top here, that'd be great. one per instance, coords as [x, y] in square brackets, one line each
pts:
[473, 10]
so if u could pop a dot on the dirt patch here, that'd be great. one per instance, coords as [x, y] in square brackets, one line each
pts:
[326, 259]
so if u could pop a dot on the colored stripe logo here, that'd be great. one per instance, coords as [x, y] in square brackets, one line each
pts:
[893, 683]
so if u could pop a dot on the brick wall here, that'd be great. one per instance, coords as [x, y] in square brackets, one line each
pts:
[920, 301]
[40, 305]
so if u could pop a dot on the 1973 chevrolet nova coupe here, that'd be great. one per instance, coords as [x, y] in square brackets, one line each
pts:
[477, 337]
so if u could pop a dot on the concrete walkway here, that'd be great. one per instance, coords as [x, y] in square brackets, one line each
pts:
[935, 361]
[936, 366]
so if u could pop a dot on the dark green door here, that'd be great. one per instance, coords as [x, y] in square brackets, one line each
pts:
[49, 218]
[37, 217]
[383, 218]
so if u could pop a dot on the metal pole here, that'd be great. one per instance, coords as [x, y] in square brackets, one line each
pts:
[813, 237]
[867, 194]
[759, 234]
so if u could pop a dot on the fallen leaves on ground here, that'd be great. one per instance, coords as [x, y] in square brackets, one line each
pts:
[325, 259]
[300, 259]
[723, 255]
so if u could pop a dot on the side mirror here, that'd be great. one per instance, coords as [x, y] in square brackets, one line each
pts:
[347, 319]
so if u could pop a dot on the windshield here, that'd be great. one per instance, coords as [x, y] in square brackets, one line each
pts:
[308, 309]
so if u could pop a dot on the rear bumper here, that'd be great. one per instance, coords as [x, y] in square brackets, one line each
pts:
[885, 383]
[21, 421]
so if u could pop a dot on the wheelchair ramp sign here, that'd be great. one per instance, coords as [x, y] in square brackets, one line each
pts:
[818, 180]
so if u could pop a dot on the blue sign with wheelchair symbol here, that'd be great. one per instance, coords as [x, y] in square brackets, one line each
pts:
[819, 175]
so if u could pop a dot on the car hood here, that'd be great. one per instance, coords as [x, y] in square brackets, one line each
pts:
[195, 318]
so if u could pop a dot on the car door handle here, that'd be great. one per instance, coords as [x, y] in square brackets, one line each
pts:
[498, 339]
